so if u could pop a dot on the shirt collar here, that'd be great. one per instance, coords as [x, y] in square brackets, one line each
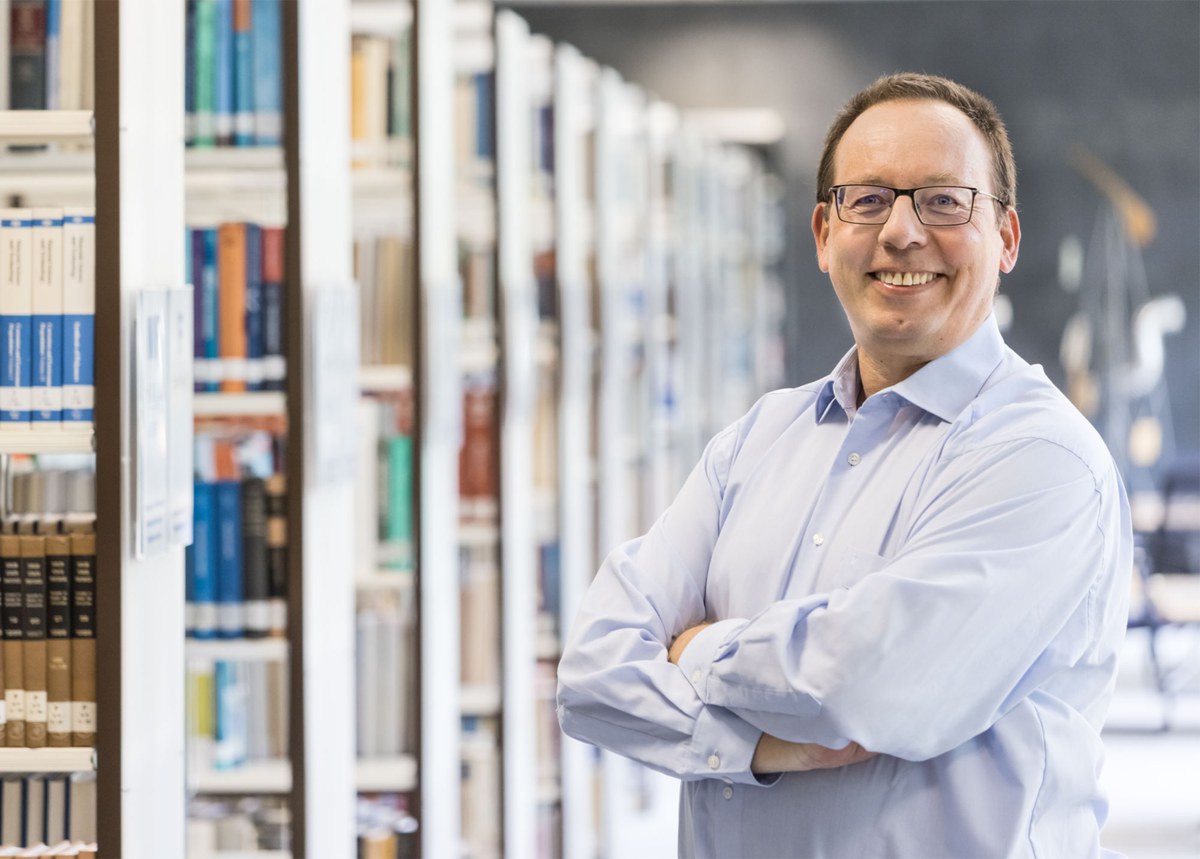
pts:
[943, 387]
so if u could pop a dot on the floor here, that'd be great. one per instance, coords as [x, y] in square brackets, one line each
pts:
[1152, 775]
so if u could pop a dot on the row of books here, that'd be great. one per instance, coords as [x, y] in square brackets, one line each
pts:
[53, 812]
[48, 500]
[237, 276]
[243, 825]
[481, 786]
[381, 98]
[385, 672]
[384, 497]
[384, 268]
[47, 317]
[48, 54]
[386, 828]
[236, 567]
[233, 84]
[48, 591]
[237, 712]
[479, 601]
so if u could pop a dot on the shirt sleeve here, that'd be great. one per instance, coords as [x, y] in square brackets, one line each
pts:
[616, 688]
[1014, 571]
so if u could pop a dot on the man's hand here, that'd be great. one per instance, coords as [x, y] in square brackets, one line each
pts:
[773, 755]
[681, 643]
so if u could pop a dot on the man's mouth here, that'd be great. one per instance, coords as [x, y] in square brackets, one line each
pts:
[905, 278]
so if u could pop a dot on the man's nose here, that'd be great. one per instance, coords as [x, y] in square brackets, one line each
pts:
[903, 228]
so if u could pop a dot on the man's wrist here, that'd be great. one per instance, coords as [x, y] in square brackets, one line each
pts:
[682, 641]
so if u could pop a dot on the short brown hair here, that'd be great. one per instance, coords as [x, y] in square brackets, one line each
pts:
[910, 85]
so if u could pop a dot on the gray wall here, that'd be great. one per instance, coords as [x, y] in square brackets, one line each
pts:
[1121, 78]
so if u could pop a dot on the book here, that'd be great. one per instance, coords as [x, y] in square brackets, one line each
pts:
[231, 701]
[274, 321]
[27, 55]
[223, 73]
[255, 574]
[53, 52]
[200, 558]
[207, 298]
[231, 288]
[243, 74]
[83, 641]
[204, 68]
[12, 590]
[72, 38]
[227, 506]
[58, 640]
[33, 576]
[81, 812]
[266, 26]
[47, 306]
[253, 322]
[79, 313]
[189, 73]
[5, 20]
[277, 554]
[16, 309]
[55, 826]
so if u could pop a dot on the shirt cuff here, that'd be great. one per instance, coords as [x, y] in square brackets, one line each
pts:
[696, 660]
[723, 747]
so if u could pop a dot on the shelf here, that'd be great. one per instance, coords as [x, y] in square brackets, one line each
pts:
[251, 159]
[386, 775]
[384, 580]
[64, 440]
[250, 404]
[42, 126]
[250, 649]
[477, 535]
[274, 776]
[379, 378]
[47, 760]
[480, 700]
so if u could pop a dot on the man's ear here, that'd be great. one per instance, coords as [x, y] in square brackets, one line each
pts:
[820, 228]
[1010, 234]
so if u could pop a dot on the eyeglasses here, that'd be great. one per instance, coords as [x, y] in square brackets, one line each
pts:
[935, 205]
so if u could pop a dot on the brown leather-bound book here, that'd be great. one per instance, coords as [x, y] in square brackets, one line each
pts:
[58, 640]
[33, 574]
[83, 642]
[12, 592]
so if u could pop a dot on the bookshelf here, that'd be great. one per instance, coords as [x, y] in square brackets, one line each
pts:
[47, 760]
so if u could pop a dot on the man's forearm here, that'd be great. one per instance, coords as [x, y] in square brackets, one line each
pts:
[773, 755]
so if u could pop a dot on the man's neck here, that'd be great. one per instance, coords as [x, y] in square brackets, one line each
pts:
[875, 374]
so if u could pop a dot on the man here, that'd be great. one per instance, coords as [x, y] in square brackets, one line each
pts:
[882, 616]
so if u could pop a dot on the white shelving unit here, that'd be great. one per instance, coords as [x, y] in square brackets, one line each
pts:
[42, 126]
[47, 760]
[248, 404]
[386, 775]
[265, 777]
[65, 440]
[250, 649]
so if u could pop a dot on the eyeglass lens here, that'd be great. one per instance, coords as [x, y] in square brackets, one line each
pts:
[936, 206]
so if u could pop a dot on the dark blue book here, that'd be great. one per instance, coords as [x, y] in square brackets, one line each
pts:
[201, 577]
[27, 55]
[210, 310]
[255, 342]
[243, 75]
[228, 521]
[189, 75]
[223, 64]
[484, 97]
[265, 24]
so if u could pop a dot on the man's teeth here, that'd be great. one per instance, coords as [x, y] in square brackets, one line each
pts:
[907, 278]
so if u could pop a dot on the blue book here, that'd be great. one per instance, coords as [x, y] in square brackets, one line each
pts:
[231, 699]
[201, 580]
[79, 314]
[484, 88]
[16, 316]
[243, 75]
[210, 310]
[255, 334]
[265, 24]
[189, 76]
[223, 63]
[47, 391]
[228, 519]
[53, 54]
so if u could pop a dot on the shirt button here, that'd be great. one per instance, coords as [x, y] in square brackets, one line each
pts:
[818, 539]
[854, 459]
[696, 676]
[713, 762]
[727, 793]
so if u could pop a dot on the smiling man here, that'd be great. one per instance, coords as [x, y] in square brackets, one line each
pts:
[882, 616]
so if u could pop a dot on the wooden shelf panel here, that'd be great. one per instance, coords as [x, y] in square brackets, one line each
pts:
[47, 760]
[274, 776]
[250, 404]
[260, 649]
[383, 378]
[41, 126]
[385, 775]
[64, 440]
[480, 700]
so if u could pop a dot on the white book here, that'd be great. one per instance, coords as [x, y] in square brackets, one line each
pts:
[16, 310]
[47, 398]
[4, 40]
[70, 64]
[79, 314]
[89, 54]
[366, 489]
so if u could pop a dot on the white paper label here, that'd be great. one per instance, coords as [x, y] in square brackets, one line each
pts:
[58, 717]
[14, 699]
[35, 706]
[83, 717]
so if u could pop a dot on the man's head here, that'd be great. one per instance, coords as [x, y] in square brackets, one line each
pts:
[915, 271]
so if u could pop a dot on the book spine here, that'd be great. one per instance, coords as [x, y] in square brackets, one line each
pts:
[398, 526]
[277, 554]
[5, 21]
[83, 641]
[231, 698]
[71, 42]
[204, 84]
[194, 268]
[230, 608]
[273, 310]
[12, 587]
[33, 575]
[231, 280]
[27, 55]
[210, 310]
[189, 73]
[79, 314]
[243, 74]
[58, 640]
[53, 53]
[16, 310]
[256, 583]
[265, 23]
[47, 393]
[255, 346]
[223, 79]
[202, 578]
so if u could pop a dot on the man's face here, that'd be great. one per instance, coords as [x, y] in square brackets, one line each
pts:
[909, 144]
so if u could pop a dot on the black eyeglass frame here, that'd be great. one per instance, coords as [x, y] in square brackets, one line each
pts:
[908, 192]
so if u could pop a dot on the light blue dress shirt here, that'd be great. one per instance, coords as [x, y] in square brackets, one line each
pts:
[940, 574]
